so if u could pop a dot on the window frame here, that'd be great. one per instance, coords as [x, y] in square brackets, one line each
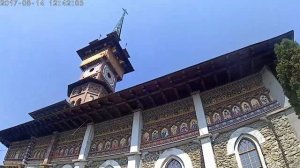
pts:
[112, 163]
[257, 146]
[173, 153]
[170, 158]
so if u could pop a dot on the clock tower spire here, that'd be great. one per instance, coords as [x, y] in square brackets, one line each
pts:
[118, 27]
[104, 62]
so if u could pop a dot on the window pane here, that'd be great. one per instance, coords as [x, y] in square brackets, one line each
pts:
[173, 164]
[248, 154]
[109, 166]
[245, 145]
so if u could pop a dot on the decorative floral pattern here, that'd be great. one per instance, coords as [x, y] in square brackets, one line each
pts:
[169, 123]
[234, 100]
[111, 137]
[17, 150]
[68, 145]
[39, 148]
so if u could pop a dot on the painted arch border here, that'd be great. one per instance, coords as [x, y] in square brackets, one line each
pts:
[110, 163]
[242, 131]
[174, 153]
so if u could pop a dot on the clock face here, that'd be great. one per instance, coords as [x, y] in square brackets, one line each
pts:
[109, 76]
[91, 70]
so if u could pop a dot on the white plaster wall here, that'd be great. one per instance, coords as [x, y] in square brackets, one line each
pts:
[294, 121]
[276, 91]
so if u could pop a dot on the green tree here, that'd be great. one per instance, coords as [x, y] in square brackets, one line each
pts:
[288, 70]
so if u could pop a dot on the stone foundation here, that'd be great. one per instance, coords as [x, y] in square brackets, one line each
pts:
[287, 140]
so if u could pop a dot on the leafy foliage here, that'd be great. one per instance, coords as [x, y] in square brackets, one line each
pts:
[288, 70]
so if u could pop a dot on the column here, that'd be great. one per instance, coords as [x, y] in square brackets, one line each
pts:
[85, 147]
[134, 156]
[45, 163]
[208, 153]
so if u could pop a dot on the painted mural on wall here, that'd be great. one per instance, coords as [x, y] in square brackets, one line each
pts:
[39, 150]
[169, 123]
[237, 102]
[68, 145]
[112, 137]
[17, 150]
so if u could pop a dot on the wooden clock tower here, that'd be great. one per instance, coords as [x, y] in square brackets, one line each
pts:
[104, 63]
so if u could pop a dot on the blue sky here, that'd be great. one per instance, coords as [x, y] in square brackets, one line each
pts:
[39, 44]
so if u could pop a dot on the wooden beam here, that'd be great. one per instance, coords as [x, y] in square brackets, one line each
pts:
[216, 80]
[88, 117]
[164, 97]
[176, 93]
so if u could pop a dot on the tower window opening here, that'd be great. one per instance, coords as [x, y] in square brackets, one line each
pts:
[78, 102]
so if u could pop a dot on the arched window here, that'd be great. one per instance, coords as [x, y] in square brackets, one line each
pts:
[78, 102]
[110, 164]
[173, 158]
[173, 163]
[245, 144]
[248, 154]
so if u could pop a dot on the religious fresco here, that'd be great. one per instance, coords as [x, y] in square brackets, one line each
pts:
[237, 102]
[169, 123]
[17, 151]
[68, 145]
[112, 137]
[39, 150]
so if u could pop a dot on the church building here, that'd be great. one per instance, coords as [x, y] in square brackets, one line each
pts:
[226, 112]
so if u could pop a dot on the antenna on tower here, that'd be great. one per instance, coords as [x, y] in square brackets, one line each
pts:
[118, 27]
